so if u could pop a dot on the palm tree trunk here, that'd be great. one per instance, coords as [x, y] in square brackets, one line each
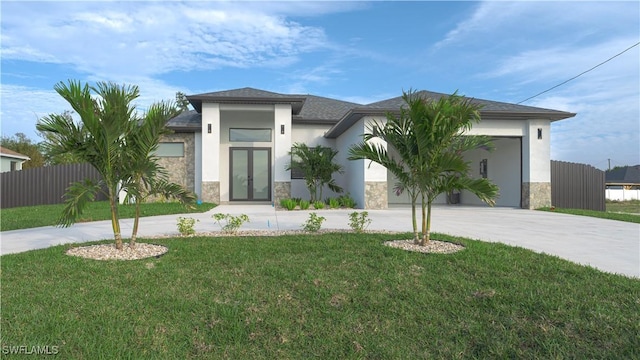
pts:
[424, 223]
[414, 220]
[115, 223]
[136, 220]
[428, 232]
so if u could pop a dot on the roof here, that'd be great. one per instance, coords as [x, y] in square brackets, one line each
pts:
[342, 114]
[13, 154]
[628, 175]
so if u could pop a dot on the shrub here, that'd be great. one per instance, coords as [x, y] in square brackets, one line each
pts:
[288, 204]
[304, 204]
[333, 203]
[314, 223]
[318, 205]
[296, 200]
[186, 226]
[232, 223]
[359, 222]
[347, 201]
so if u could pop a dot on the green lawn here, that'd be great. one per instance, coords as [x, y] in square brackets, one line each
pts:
[633, 218]
[330, 296]
[630, 206]
[47, 215]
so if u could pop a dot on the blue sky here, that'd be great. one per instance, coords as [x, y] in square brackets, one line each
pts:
[355, 51]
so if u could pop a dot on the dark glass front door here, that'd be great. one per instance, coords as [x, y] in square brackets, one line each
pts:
[250, 174]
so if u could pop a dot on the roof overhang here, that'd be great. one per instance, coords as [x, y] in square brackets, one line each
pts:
[356, 114]
[197, 100]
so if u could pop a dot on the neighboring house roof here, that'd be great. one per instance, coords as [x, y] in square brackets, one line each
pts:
[628, 175]
[342, 114]
[4, 152]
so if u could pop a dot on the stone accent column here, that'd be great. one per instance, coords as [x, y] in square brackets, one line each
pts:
[375, 195]
[211, 191]
[536, 195]
[281, 190]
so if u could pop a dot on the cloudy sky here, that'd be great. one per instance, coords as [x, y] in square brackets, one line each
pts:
[356, 51]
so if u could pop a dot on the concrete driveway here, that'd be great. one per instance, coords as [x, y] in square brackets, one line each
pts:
[608, 245]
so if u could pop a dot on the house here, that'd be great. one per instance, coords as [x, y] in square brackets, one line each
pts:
[623, 183]
[11, 160]
[233, 148]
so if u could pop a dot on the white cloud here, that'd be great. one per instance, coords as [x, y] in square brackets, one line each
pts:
[148, 38]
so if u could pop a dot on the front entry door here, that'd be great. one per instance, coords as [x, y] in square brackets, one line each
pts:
[250, 174]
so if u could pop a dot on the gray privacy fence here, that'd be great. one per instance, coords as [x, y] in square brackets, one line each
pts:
[44, 185]
[577, 186]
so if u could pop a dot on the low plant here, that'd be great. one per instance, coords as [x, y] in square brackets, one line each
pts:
[288, 204]
[347, 201]
[231, 223]
[296, 200]
[186, 226]
[318, 205]
[333, 203]
[314, 223]
[359, 222]
[304, 204]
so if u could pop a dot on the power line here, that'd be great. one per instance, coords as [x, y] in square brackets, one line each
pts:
[582, 73]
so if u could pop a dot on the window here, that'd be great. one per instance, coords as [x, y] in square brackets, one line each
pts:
[250, 135]
[296, 173]
[170, 149]
[14, 165]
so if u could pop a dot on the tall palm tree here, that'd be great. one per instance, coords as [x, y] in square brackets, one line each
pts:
[112, 138]
[429, 139]
[145, 175]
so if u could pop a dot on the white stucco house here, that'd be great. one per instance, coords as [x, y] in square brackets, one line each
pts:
[11, 160]
[233, 148]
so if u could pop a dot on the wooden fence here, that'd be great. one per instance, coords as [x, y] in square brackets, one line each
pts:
[43, 185]
[577, 186]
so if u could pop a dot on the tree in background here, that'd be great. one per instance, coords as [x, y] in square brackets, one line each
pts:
[22, 144]
[431, 162]
[317, 167]
[181, 102]
[105, 137]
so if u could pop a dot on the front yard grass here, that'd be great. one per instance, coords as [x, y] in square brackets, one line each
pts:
[48, 215]
[329, 296]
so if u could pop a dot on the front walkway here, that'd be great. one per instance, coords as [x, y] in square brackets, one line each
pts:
[608, 245]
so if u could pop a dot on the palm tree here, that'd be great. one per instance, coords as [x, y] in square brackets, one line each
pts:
[146, 176]
[317, 166]
[110, 137]
[429, 142]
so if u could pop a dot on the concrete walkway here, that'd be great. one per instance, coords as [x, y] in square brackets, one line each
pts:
[611, 246]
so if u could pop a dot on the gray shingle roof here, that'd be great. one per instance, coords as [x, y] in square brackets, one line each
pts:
[311, 108]
[623, 175]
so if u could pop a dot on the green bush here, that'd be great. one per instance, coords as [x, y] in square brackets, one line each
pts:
[347, 201]
[318, 205]
[304, 204]
[186, 226]
[288, 204]
[359, 222]
[333, 203]
[232, 223]
[314, 223]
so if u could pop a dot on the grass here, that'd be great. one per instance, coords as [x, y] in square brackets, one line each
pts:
[629, 206]
[47, 215]
[330, 296]
[633, 218]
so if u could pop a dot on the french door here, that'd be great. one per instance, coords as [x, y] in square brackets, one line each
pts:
[250, 174]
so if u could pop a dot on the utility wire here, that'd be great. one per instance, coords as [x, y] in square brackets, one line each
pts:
[582, 73]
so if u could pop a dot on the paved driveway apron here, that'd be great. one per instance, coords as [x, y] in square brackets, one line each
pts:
[608, 245]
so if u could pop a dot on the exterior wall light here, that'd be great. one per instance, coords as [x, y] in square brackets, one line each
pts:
[282, 129]
[209, 128]
[539, 133]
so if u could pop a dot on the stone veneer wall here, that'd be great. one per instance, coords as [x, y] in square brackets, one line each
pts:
[181, 170]
[375, 195]
[536, 195]
[210, 191]
[281, 190]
